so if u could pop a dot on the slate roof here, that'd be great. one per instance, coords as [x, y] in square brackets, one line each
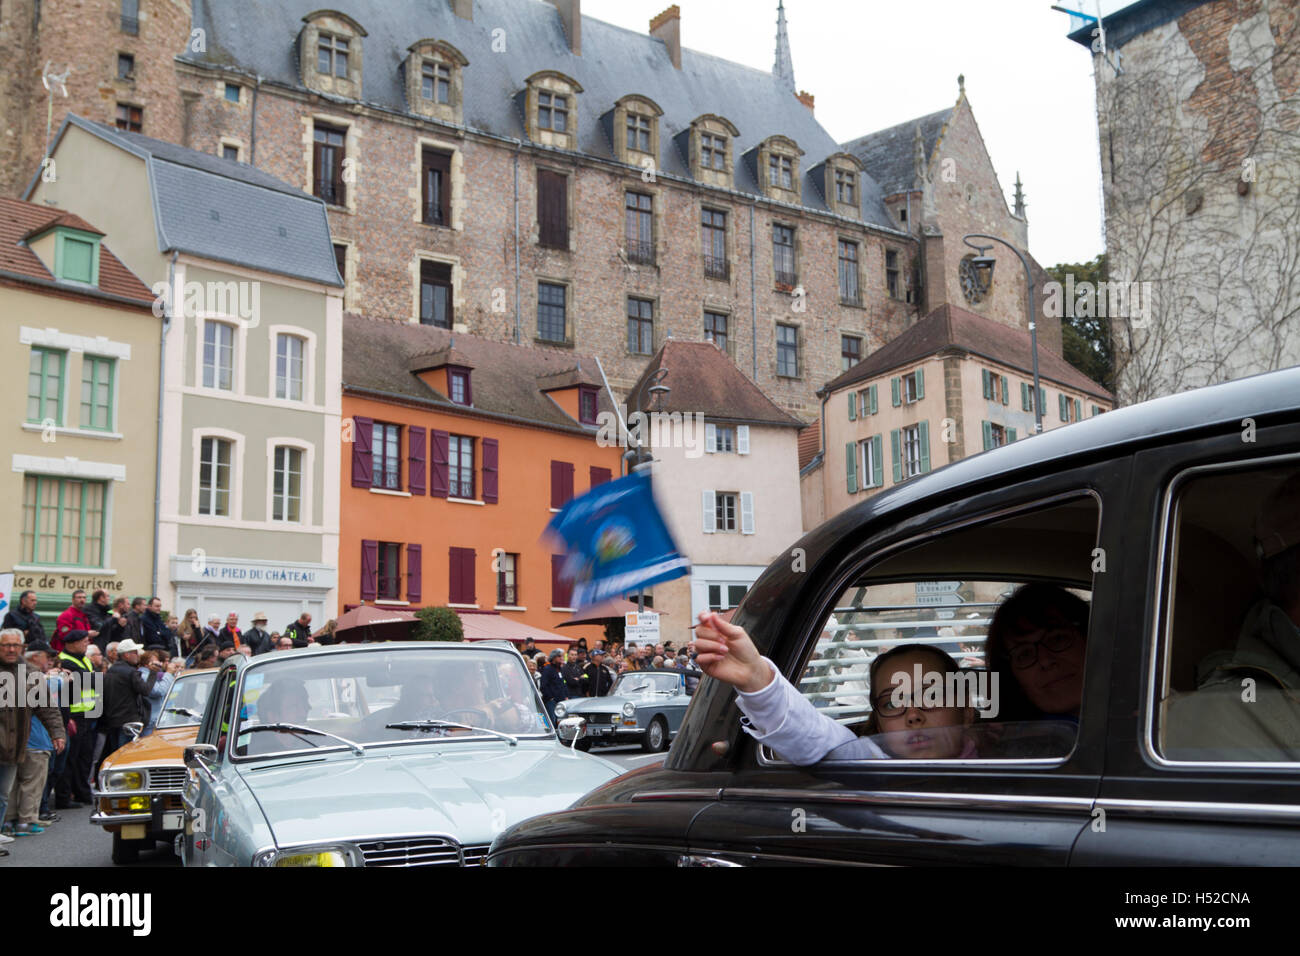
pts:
[231, 212]
[506, 379]
[255, 37]
[950, 327]
[705, 379]
[20, 220]
[888, 154]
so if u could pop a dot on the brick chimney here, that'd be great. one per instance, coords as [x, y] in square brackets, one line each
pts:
[668, 27]
[463, 8]
[571, 17]
[807, 99]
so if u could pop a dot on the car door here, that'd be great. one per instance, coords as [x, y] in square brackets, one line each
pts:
[208, 840]
[964, 812]
[1186, 781]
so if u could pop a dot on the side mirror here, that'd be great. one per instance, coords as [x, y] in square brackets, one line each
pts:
[572, 729]
[197, 755]
[135, 729]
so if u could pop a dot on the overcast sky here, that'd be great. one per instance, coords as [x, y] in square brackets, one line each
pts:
[874, 63]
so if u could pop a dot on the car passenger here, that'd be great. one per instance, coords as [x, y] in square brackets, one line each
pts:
[781, 717]
[1036, 643]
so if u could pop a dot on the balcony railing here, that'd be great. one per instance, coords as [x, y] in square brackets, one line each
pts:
[717, 268]
[790, 279]
[641, 251]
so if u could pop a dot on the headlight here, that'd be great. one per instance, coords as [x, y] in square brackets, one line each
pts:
[629, 709]
[560, 710]
[124, 780]
[337, 855]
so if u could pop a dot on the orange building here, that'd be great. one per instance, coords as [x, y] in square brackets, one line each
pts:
[460, 451]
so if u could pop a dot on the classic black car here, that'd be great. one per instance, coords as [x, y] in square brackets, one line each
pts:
[1149, 514]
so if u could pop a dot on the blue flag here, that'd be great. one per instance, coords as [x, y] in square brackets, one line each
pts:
[616, 541]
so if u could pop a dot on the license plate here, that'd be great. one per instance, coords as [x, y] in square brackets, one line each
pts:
[134, 831]
[173, 820]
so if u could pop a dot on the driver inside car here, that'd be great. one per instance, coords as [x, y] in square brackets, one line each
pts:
[284, 702]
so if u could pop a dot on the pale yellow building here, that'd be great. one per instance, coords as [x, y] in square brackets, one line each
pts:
[78, 480]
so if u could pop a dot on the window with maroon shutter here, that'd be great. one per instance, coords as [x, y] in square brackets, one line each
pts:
[490, 472]
[362, 462]
[600, 475]
[561, 483]
[467, 576]
[413, 570]
[552, 209]
[439, 473]
[389, 576]
[461, 563]
[561, 590]
[369, 569]
[415, 460]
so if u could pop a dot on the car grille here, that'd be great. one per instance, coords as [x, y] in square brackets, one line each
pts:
[599, 718]
[168, 778]
[421, 851]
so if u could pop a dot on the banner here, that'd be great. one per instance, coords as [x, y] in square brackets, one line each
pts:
[6, 593]
[616, 542]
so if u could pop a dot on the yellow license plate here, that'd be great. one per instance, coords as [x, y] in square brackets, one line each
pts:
[134, 831]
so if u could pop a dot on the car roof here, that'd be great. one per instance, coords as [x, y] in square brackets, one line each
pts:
[324, 650]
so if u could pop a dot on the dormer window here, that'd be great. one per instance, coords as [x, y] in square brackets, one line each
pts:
[846, 186]
[633, 125]
[713, 151]
[587, 404]
[332, 56]
[330, 53]
[434, 81]
[638, 132]
[552, 112]
[458, 388]
[76, 257]
[840, 178]
[781, 171]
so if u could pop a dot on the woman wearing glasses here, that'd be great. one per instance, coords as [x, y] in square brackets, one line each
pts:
[1036, 644]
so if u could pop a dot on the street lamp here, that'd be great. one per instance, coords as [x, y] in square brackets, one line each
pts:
[633, 457]
[983, 265]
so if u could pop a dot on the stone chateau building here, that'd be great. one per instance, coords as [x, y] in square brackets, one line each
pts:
[515, 170]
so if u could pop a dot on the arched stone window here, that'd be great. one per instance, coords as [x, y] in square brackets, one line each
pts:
[435, 83]
[329, 53]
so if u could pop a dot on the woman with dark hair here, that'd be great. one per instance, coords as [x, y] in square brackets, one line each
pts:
[1038, 639]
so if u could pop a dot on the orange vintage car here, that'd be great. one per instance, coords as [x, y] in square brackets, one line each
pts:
[139, 795]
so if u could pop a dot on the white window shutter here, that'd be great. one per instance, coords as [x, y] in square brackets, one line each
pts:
[710, 438]
[710, 512]
[742, 439]
[746, 512]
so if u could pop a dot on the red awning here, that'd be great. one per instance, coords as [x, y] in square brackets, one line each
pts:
[496, 627]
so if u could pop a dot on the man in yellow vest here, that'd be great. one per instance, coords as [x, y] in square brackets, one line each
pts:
[73, 788]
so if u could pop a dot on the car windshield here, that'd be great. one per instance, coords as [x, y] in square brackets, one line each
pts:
[359, 696]
[186, 700]
[647, 685]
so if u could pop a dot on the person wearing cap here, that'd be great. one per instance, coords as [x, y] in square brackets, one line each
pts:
[1221, 719]
[126, 696]
[597, 678]
[224, 650]
[256, 637]
[552, 683]
[71, 789]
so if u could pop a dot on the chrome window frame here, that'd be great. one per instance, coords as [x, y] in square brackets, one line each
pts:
[766, 757]
[1162, 619]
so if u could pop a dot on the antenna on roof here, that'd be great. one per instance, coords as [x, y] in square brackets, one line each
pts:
[51, 80]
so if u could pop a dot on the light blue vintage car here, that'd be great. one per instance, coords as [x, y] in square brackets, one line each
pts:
[644, 707]
[374, 755]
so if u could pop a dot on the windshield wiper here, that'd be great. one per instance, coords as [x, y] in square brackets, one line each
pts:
[298, 729]
[437, 724]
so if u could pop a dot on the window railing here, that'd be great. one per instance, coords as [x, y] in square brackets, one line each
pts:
[790, 279]
[131, 25]
[717, 268]
[641, 251]
[850, 297]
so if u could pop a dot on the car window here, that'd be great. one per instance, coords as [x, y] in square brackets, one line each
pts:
[189, 693]
[1229, 686]
[358, 697]
[981, 637]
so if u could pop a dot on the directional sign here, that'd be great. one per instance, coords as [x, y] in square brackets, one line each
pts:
[641, 627]
[939, 599]
[937, 587]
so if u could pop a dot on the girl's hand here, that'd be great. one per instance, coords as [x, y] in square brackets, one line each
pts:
[725, 652]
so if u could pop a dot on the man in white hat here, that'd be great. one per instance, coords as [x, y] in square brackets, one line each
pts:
[126, 700]
[256, 637]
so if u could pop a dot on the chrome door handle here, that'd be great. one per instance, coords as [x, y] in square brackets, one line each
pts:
[694, 860]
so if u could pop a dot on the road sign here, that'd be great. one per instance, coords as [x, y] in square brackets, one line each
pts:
[937, 587]
[941, 600]
[641, 627]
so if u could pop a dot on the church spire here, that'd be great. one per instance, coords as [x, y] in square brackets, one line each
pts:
[1020, 199]
[783, 68]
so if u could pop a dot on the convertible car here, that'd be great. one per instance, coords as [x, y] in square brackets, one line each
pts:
[398, 754]
[644, 707]
[1154, 555]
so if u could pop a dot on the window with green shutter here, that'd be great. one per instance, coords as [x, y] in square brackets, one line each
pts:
[872, 393]
[63, 522]
[45, 386]
[1078, 409]
[851, 465]
[1005, 391]
[1065, 408]
[97, 392]
[853, 406]
[987, 377]
[76, 256]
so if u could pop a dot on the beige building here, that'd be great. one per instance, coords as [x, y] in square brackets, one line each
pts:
[953, 385]
[726, 476]
[81, 455]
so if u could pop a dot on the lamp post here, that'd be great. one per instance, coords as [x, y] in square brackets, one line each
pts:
[633, 457]
[984, 278]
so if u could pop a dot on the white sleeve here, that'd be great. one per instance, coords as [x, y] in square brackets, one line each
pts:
[785, 720]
